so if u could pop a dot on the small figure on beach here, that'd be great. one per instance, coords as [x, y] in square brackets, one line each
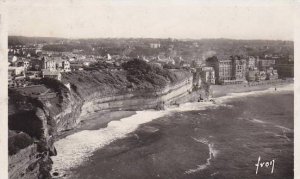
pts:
[275, 88]
[213, 101]
[200, 99]
[160, 106]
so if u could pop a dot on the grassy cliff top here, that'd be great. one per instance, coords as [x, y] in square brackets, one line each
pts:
[134, 75]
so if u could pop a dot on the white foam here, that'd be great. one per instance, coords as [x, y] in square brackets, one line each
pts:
[284, 128]
[271, 123]
[76, 148]
[212, 154]
[258, 121]
[284, 136]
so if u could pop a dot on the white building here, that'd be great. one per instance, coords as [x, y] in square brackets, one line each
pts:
[66, 66]
[15, 71]
[46, 73]
[154, 45]
[49, 64]
[208, 75]
[86, 64]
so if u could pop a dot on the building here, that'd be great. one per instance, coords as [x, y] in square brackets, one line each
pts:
[47, 73]
[252, 74]
[23, 63]
[66, 66]
[239, 69]
[251, 63]
[208, 75]
[62, 65]
[12, 59]
[264, 64]
[271, 74]
[154, 45]
[33, 74]
[49, 64]
[228, 71]
[36, 64]
[165, 60]
[197, 63]
[76, 66]
[178, 60]
[196, 78]
[26, 64]
[15, 71]
[86, 64]
[261, 76]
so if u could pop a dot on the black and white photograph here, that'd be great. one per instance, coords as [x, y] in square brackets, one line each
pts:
[128, 89]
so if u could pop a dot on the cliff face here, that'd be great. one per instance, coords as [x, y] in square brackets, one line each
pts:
[137, 100]
[38, 120]
[30, 159]
[42, 119]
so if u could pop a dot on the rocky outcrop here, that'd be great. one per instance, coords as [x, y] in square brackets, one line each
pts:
[43, 119]
[30, 149]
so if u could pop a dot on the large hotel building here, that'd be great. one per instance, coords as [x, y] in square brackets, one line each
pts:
[228, 71]
[236, 70]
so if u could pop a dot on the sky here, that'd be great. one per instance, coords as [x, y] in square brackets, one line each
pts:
[236, 19]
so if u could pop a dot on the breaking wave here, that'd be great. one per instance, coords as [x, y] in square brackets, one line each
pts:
[212, 154]
[74, 149]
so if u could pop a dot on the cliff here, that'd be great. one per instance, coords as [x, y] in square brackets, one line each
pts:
[35, 120]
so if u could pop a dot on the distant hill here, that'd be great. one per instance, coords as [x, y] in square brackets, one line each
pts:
[189, 49]
[21, 40]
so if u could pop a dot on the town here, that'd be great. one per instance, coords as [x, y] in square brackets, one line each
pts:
[57, 85]
[36, 60]
[41, 60]
[146, 89]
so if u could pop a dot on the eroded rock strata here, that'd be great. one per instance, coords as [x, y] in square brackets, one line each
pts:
[36, 120]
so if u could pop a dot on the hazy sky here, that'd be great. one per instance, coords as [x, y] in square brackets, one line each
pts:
[256, 19]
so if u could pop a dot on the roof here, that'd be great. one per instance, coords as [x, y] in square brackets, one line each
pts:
[48, 72]
[15, 68]
[55, 59]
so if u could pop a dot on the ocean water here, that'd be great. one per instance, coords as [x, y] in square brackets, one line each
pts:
[197, 140]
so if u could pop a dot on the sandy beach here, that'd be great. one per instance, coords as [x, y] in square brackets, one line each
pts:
[223, 90]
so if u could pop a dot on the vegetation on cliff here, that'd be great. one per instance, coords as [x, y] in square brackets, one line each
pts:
[139, 71]
[134, 76]
[40, 112]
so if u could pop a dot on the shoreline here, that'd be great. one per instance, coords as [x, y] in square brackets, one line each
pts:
[224, 90]
[118, 127]
[101, 119]
[140, 141]
[96, 121]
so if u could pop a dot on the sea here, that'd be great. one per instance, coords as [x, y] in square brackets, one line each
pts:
[240, 135]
